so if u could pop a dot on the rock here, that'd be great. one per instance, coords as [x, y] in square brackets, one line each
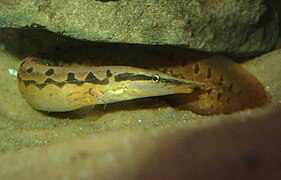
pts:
[277, 5]
[214, 26]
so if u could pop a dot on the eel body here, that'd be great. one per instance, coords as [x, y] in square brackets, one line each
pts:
[201, 83]
[64, 88]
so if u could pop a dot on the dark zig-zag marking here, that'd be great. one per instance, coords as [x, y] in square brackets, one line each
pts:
[209, 72]
[29, 70]
[71, 77]
[175, 82]
[108, 73]
[70, 80]
[196, 68]
[219, 95]
[230, 86]
[50, 81]
[91, 78]
[49, 72]
[28, 82]
[131, 77]
[142, 77]
[220, 80]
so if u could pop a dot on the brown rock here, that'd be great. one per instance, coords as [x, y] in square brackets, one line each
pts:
[237, 27]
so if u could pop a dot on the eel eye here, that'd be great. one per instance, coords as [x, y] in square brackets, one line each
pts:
[155, 78]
